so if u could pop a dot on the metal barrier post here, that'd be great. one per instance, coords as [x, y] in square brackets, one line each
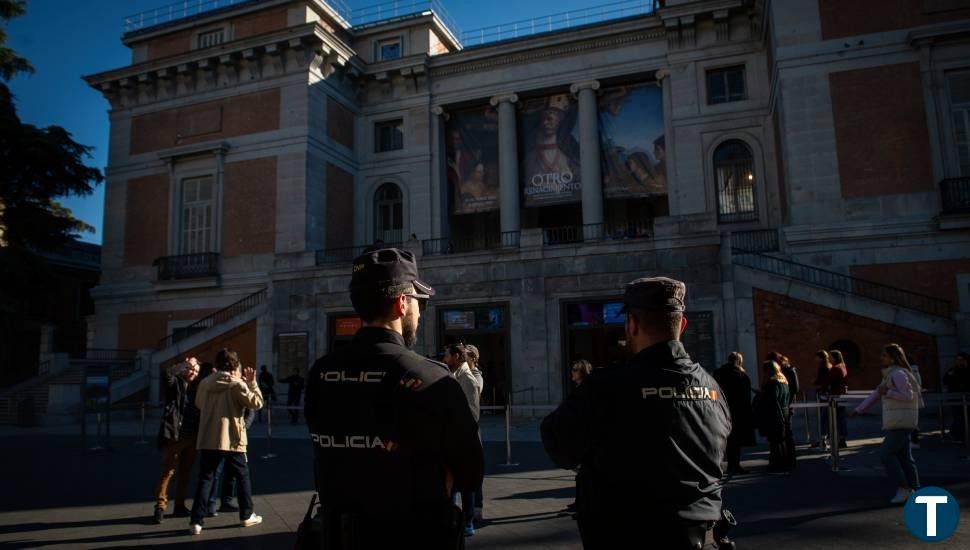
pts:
[834, 431]
[966, 425]
[818, 422]
[269, 434]
[942, 421]
[508, 431]
[808, 433]
[142, 441]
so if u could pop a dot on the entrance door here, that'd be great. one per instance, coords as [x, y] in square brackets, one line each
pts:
[594, 332]
[485, 327]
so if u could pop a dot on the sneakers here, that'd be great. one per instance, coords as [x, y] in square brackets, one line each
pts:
[195, 529]
[470, 530]
[228, 507]
[253, 520]
[902, 495]
[159, 514]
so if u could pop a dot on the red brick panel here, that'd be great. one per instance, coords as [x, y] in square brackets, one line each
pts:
[340, 207]
[840, 18]
[880, 130]
[170, 44]
[249, 207]
[340, 123]
[259, 23]
[242, 339]
[937, 279]
[224, 118]
[146, 219]
[144, 329]
[798, 329]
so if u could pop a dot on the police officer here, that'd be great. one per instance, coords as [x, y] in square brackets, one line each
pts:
[649, 436]
[393, 436]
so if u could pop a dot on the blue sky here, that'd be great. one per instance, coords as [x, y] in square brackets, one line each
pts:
[66, 39]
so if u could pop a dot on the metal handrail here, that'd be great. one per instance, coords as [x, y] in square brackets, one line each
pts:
[187, 266]
[558, 21]
[845, 283]
[219, 317]
[474, 243]
[955, 195]
[597, 232]
[758, 240]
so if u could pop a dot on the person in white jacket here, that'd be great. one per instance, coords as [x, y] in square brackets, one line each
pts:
[457, 360]
[899, 392]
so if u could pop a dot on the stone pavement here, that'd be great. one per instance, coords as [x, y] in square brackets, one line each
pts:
[56, 494]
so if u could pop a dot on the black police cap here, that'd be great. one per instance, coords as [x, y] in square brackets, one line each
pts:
[389, 271]
[655, 294]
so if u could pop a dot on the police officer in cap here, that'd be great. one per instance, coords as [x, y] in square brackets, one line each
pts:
[393, 436]
[649, 436]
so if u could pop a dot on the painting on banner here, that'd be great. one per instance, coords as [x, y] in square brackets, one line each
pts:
[632, 142]
[549, 137]
[472, 150]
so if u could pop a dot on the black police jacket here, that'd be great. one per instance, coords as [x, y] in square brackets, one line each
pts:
[649, 437]
[393, 437]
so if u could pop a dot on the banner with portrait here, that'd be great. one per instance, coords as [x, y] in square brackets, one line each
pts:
[549, 141]
[472, 151]
[632, 141]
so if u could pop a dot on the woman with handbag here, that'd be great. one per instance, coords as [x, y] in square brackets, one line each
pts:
[901, 400]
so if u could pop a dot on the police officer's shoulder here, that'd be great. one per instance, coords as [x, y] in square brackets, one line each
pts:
[421, 372]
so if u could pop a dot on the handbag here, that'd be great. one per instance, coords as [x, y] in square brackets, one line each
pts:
[309, 535]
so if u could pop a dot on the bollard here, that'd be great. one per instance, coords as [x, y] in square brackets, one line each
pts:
[966, 426]
[834, 431]
[269, 434]
[508, 432]
[939, 402]
[142, 441]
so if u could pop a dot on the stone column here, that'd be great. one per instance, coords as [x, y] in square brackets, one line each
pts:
[589, 152]
[508, 159]
[439, 174]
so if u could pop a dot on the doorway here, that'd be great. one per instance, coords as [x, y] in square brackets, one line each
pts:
[485, 327]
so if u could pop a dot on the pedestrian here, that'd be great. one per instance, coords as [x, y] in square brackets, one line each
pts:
[791, 375]
[838, 386]
[222, 399]
[474, 362]
[393, 435]
[224, 485]
[914, 367]
[900, 394]
[266, 383]
[176, 435]
[957, 380]
[294, 391]
[771, 409]
[456, 358]
[736, 388]
[578, 372]
[823, 363]
[650, 434]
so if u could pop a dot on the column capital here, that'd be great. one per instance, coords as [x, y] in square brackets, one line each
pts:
[438, 110]
[588, 84]
[502, 98]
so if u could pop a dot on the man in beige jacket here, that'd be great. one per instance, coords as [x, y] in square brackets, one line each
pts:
[222, 398]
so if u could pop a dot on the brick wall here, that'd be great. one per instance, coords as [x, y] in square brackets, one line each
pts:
[840, 18]
[937, 279]
[170, 44]
[212, 120]
[340, 207]
[242, 339]
[880, 130]
[340, 124]
[146, 219]
[144, 329]
[249, 207]
[798, 329]
[243, 26]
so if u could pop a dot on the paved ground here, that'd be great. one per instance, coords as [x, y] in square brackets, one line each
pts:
[57, 494]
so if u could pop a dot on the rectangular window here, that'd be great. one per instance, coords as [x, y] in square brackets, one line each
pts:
[959, 88]
[389, 49]
[389, 135]
[211, 38]
[197, 213]
[724, 85]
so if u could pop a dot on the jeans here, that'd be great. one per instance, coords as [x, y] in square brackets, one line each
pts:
[237, 466]
[897, 457]
[176, 456]
[222, 485]
[468, 506]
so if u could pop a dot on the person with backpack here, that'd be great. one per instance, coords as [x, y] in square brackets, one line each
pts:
[771, 413]
[899, 392]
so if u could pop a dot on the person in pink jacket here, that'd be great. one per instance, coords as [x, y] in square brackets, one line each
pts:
[900, 395]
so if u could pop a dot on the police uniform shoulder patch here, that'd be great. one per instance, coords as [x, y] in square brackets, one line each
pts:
[420, 372]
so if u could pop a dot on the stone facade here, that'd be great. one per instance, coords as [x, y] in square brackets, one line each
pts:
[293, 120]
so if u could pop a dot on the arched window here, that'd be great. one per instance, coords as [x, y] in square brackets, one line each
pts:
[388, 213]
[735, 180]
